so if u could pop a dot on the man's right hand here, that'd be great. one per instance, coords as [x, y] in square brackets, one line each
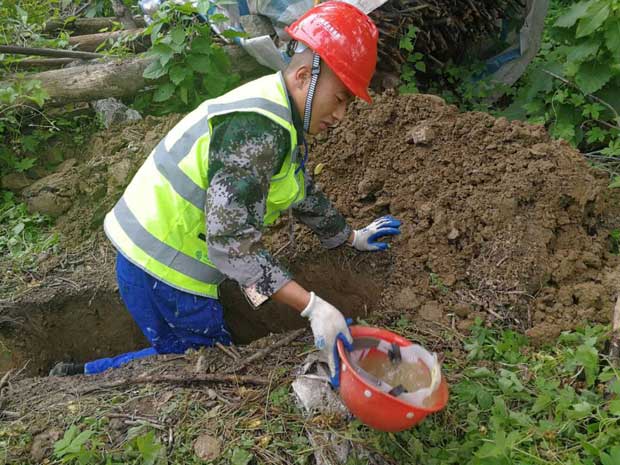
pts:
[328, 325]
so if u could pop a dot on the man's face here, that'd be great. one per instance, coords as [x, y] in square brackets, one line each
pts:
[330, 101]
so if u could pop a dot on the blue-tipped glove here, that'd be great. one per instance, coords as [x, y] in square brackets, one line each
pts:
[367, 238]
[328, 325]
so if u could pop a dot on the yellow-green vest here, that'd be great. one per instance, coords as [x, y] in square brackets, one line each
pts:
[159, 222]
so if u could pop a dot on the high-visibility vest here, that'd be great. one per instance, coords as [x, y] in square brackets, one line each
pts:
[159, 222]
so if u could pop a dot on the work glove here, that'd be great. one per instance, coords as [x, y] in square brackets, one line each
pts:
[328, 325]
[366, 239]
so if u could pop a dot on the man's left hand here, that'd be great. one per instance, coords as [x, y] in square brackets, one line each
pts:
[367, 238]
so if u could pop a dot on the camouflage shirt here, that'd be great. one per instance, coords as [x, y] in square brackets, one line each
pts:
[246, 150]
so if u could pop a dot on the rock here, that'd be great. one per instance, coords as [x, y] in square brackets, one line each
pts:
[15, 181]
[207, 447]
[48, 203]
[421, 134]
[431, 311]
[112, 111]
[120, 173]
[453, 234]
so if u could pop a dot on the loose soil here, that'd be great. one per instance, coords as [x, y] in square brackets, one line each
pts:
[499, 222]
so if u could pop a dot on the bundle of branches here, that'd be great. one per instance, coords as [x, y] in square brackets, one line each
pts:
[445, 27]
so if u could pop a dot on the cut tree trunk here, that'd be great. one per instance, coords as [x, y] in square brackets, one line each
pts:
[119, 78]
[90, 42]
[86, 25]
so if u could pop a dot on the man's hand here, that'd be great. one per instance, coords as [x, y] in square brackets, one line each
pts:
[367, 238]
[328, 325]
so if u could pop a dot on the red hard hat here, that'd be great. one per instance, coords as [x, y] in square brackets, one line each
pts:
[343, 36]
[373, 407]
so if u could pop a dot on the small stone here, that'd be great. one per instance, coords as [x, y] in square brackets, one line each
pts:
[453, 234]
[113, 111]
[207, 447]
[120, 173]
[421, 134]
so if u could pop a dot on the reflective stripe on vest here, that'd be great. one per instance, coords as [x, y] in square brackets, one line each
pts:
[159, 222]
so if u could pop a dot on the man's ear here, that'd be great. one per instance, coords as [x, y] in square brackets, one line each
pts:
[302, 76]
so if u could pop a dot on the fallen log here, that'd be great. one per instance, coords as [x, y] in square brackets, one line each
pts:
[87, 25]
[122, 78]
[90, 42]
[48, 52]
[40, 63]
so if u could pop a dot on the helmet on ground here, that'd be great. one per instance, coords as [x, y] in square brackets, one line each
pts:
[343, 36]
[366, 397]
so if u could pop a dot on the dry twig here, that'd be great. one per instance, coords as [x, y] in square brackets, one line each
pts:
[267, 350]
[205, 378]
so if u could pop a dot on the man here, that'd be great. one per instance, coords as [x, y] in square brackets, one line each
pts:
[194, 212]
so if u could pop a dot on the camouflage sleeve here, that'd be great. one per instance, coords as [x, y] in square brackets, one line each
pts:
[245, 150]
[319, 214]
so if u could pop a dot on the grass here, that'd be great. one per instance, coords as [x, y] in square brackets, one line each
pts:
[511, 404]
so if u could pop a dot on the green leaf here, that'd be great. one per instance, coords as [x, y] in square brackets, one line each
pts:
[576, 12]
[614, 407]
[595, 17]
[18, 228]
[588, 357]
[149, 448]
[154, 71]
[163, 53]
[613, 458]
[615, 183]
[612, 37]
[596, 134]
[592, 76]
[579, 53]
[178, 73]
[201, 45]
[240, 457]
[164, 92]
[484, 399]
[24, 164]
[178, 35]
[199, 63]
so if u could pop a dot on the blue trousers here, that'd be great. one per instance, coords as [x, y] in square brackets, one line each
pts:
[172, 320]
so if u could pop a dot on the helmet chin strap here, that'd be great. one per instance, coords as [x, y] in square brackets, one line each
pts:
[316, 70]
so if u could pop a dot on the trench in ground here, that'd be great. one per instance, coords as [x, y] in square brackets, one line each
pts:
[81, 328]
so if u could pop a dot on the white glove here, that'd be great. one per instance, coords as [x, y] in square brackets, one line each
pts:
[366, 239]
[328, 325]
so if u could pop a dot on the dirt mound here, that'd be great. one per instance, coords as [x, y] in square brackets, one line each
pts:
[498, 218]
[499, 221]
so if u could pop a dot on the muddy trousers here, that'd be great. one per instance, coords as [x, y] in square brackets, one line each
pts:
[172, 320]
